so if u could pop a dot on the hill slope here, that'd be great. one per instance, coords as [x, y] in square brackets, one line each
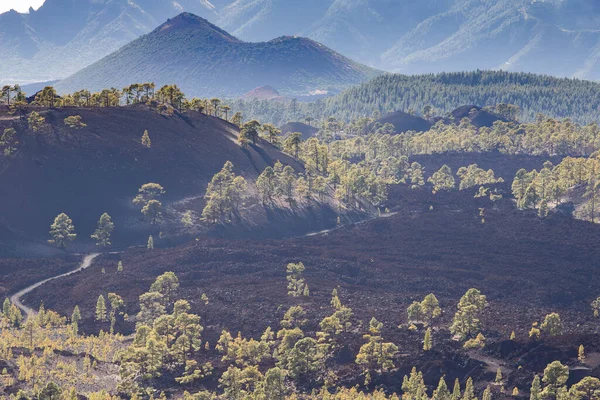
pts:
[99, 168]
[555, 97]
[206, 61]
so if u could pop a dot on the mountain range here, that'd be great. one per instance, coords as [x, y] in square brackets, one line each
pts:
[205, 61]
[558, 37]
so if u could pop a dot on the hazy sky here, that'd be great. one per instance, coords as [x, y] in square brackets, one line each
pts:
[19, 5]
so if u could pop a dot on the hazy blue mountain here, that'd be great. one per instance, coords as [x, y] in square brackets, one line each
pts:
[560, 37]
[555, 37]
[63, 36]
[204, 60]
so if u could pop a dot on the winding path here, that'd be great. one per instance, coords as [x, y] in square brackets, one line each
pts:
[30, 312]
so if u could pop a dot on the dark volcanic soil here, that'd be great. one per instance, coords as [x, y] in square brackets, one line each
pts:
[86, 172]
[526, 266]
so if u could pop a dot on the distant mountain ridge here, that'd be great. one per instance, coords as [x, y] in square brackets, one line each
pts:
[557, 37]
[205, 61]
[64, 36]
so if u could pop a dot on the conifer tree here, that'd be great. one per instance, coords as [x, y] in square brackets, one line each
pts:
[469, 390]
[416, 175]
[101, 309]
[413, 386]
[75, 318]
[555, 377]
[275, 384]
[153, 211]
[487, 394]
[120, 267]
[187, 219]
[36, 122]
[103, 233]
[466, 320]
[376, 354]
[150, 244]
[147, 192]
[167, 285]
[297, 286]
[266, 184]
[224, 196]
[499, 377]
[443, 179]
[581, 354]
[552, 324]
[62, 231]
[596, 307]
[116, 303]
[456, 392]
[427, 341]
[6, 307]
[442, 392]
[146, 142]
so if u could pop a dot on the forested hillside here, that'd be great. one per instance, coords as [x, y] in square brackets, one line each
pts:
[206, 61]
[557, 97]
[457, 254]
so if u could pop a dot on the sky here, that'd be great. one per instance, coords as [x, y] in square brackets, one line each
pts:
[19, 5]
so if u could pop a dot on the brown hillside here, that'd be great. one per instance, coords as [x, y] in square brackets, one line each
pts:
[99, 168]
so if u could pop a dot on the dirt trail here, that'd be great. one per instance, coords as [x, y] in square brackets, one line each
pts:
[492, 363]
[30, 312]
[326, 231]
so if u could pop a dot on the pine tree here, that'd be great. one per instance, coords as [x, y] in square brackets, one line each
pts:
[150, 244]
[515, 391]
[442, 179]
[75, 318]
[375, 354]
[469, 390]
[153, 211]
[487, 394]
[596, 307]
[416, 175]
[552, 324]
[456, 393]
[62, 231]
[581, 354]
[466, 320]
[103, 233]
[442, 392]
[512, 335]
[297, 286]
[413, 386]
[427, 342]
[499, 377]
[101, 309]
[6, 307]
[120, 267]
[146, 142]
[536, 389]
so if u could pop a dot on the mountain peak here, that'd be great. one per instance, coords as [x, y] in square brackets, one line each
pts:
[192, 22]
[207, 61]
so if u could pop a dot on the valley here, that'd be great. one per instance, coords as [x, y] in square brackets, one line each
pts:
[283, 200]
